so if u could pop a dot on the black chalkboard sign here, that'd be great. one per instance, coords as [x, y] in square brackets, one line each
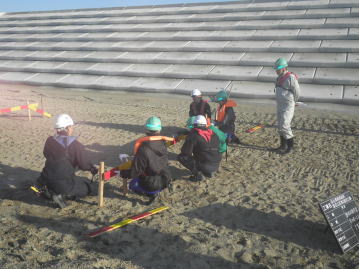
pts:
[342, 215]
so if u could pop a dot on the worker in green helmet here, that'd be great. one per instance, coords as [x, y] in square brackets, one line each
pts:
[150, 172]
[225, 116]
[287, 93]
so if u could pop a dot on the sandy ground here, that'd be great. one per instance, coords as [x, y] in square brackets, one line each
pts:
[261, 211]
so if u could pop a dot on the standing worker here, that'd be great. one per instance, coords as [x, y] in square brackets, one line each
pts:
[199, 106]
[225, 116]
[287, 93]
[150, 171]
[63, 155]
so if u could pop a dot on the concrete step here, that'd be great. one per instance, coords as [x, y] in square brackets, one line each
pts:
[334, 76]
[230, 17]
[176, 48]
[304, 46]
[300, 60]
[225, 35]
[191, 26]
[247, 89]
[183, 9]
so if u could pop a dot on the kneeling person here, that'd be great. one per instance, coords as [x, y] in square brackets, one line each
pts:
[200, 151]
[150, 172]
[63, 155]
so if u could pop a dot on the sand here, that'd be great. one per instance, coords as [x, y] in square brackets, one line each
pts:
[260, 211]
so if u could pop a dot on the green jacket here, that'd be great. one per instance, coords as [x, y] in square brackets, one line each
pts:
[222, 138]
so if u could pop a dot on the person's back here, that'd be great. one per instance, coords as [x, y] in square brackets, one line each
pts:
[63, 155]
[204, 144]
[61, 160]
[151, 160]
[149, 171]
[200, 151]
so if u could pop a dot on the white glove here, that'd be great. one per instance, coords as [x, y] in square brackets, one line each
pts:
[123, 157]
[300, 104]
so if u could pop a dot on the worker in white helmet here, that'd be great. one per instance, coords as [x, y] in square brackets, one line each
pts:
[199, 106]
[63, 155]
[200, 152]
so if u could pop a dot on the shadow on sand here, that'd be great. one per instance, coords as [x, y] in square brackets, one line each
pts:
[146, 247]
[301, 232]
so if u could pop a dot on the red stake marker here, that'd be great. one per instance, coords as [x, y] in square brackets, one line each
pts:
[252, 130]
[126, 221]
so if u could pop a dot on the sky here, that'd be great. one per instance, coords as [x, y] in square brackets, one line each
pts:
[41, 5]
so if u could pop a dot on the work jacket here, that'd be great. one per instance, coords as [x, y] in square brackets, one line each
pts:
[150, 164]
[203, 146]
[63, 155]
[225, 117]
[200, 108]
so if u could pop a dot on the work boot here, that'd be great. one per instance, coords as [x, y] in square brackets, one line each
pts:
[196, 177]
[235, 140]
[283, 145]
[152, 198]
[58, 199]
[289, 143]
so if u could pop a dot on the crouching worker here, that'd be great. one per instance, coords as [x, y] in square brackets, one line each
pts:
[63, 155]
[150, 172]
[199, 106]
[200, 151]
[225, 116]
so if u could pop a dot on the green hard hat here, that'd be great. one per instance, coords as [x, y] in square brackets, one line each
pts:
[280, 63]
[190, 122]
[222, 95]
[153, 124]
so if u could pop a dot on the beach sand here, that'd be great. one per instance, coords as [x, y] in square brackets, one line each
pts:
[260, 211]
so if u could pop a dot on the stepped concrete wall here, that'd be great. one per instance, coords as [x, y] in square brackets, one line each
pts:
[176, 48]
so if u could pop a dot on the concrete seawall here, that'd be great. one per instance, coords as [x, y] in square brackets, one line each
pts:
[176, 48]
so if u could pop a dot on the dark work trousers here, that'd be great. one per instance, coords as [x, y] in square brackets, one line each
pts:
[81, 188]
[194, 166]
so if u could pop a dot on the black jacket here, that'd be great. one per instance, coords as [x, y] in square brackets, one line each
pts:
[61, 162]
[227, 125]
[150, 165]
[201, 108]
[205, 152]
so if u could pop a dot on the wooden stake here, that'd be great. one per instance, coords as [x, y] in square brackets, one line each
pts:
[101, 183]
[42, 106]
[124, 186]
[28, 110]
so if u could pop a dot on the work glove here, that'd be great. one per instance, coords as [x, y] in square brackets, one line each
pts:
[94, 170]
[123, 157]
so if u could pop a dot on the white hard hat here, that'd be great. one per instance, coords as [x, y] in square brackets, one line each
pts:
[200, 120]
[63, 121]
[196, 92]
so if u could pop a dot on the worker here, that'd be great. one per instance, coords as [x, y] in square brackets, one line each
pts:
[221, 136]
[287, 93]
[200, 151]
[64, 153]
[225, 116]
[150, 171]
[199, 106]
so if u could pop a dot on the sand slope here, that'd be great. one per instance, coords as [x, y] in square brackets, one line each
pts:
[261, 211]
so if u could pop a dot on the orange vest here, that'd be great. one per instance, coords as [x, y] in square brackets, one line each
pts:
[139, 141]
[221, 111]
